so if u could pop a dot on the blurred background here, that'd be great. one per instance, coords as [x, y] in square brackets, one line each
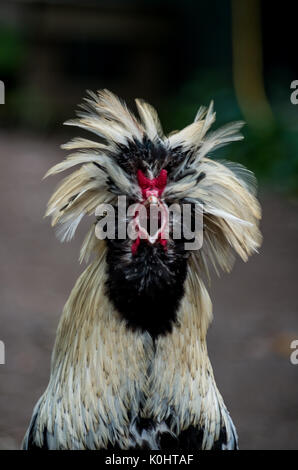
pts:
[176, 55]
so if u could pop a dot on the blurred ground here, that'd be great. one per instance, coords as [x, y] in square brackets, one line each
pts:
[255, 307]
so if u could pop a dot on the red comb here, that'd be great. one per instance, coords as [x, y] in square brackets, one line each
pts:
[146, 184]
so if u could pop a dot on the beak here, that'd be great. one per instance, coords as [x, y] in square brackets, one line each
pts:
[152, 200]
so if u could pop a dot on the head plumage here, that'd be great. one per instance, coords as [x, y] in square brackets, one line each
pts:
[128, 145]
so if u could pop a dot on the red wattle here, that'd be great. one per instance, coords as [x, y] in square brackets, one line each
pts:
[151, 187]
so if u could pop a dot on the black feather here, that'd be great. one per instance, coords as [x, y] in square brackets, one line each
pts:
[147, 288]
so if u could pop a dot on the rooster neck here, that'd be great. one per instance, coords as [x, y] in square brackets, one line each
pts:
[108, 380]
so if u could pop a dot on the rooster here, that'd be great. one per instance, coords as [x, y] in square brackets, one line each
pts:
[130, 368]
